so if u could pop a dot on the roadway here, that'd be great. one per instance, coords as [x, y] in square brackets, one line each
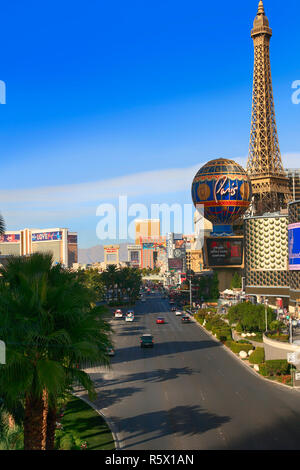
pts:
[189, 392]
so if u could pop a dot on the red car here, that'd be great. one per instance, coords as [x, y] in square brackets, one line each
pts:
[160, 320]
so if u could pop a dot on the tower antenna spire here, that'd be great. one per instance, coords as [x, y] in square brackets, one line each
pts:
[270, 184]
[261, 10]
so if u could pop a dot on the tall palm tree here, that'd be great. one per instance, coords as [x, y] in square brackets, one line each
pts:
[49, 325]
[2, 225]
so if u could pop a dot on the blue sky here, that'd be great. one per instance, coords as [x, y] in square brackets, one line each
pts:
[104, 97]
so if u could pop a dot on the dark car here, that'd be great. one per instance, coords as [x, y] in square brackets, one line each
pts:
[173, 309]
[147, 341]
[185, 319]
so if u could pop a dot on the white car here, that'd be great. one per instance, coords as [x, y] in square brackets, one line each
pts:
[129, 315]
[118, 314]
[178, 313]
[129, 318]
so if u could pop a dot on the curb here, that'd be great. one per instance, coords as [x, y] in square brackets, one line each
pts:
[247, 366]
[109, 423]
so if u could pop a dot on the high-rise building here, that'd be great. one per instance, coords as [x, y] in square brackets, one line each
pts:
[111, 254]
[146, 228]
[62, 244]
[293, 175]
[134, 255]
[153, 252]
[270, 185]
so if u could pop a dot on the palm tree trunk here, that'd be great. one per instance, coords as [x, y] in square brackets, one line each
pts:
[51, 426]
[45, 415]
[33, 423]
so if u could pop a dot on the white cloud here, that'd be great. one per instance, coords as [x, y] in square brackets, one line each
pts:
[46, 204]
[151, 182]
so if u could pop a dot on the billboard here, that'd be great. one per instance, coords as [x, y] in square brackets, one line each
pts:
[179, 243]
[10, 238]
[294, 246]
[148, 246]
[46, 236]
[175, 264]
[224, 251]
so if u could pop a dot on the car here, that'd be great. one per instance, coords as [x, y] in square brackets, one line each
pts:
[186, 319]
[173, 309]
[118, 313]
[129, 318]
[160, 320]
[129, 315]
[147, 341]
[110, 351]
[178, 312]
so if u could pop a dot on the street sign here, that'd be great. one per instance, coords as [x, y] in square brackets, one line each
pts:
[297, 376]
[291, 358]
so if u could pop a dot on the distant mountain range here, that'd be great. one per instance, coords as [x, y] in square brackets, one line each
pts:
[95, 254]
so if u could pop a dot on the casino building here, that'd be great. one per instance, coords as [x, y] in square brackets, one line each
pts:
[294, 255]
[266, 251]
[62, 244]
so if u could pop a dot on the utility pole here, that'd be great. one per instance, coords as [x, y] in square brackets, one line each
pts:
[266, 313]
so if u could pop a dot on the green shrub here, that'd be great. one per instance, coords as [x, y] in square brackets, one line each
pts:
[236, 347]
[279, 337]
[262, 369]
[277, 367]
[67, 442]
[258, 356]
[224, 334]
[243, 341]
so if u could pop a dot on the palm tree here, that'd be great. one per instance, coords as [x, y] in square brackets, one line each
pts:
[49, 325]
[2, 225]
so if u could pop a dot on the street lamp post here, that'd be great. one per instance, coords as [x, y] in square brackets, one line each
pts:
[291, 331]
[266, 314]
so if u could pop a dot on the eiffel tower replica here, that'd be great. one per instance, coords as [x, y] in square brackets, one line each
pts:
[270, 184]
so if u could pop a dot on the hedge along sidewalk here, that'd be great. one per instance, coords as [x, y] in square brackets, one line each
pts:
[237, 337]
[244, 362]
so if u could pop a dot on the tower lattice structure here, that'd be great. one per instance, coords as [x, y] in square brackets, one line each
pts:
[270, 184]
